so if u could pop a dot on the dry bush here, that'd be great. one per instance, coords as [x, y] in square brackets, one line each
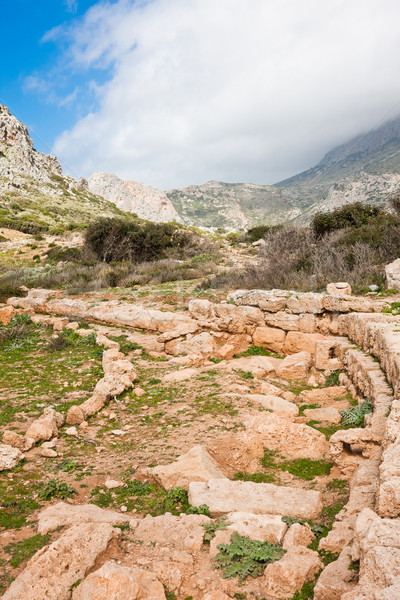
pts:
[295, 258]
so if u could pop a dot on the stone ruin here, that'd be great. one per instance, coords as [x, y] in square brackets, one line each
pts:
[318, 333]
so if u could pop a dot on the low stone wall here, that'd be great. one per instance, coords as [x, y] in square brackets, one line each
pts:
[340, 332]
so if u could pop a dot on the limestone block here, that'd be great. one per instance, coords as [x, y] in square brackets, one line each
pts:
[184, 532]
[296, 342]
[295, 366]
[270, 338]
[293, 440]
[283, 578]
[392, 272]
[225, 496]
[115, 582]
[278, 405]
[55, 568]
[195, 465]
[305, 303]
[9, 457]
[66, 515]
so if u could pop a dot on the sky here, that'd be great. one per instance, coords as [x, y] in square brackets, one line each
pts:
[180, 92]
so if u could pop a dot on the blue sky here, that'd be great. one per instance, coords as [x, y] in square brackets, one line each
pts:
[24, 55]
[179, 92]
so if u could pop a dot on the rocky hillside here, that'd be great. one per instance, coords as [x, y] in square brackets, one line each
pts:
[134, 197]
[236, 205]
[34, 194]
[367, 168]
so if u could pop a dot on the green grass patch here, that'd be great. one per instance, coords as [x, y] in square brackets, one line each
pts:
[255, 477]
[258, 351]
[23, 550]
[147, 498]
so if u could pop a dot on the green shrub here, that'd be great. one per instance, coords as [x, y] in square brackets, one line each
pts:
[355, 214]
[114, 240]
[56, 489]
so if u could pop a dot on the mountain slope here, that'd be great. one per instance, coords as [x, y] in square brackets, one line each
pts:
[34, 194]
[236, 205]
[143, 200]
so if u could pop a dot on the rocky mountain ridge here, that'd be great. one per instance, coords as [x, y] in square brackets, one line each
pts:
[34, 194]
[145, 201]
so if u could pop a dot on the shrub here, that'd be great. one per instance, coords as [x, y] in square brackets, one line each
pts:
[114, 240]
[354, 417]
[355, 214]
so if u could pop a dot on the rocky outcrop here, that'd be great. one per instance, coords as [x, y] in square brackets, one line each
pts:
[143, 200]
[55, 568]
[17, 154]
[9, 457]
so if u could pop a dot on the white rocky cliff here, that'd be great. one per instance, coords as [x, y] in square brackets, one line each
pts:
[145, 201]
[17, 154]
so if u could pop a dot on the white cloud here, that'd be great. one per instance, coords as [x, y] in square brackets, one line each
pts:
[234, 90]
[71, 5]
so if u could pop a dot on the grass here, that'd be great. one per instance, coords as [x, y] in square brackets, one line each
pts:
[18, 499]
[30, 370]
[146, 498]
[256, 477]
[333, 378]
[258, 351]
[24, 549]
[303, 468]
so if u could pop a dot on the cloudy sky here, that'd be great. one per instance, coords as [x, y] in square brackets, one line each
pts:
[173, 92]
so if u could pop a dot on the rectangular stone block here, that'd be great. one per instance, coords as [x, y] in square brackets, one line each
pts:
[224, 496]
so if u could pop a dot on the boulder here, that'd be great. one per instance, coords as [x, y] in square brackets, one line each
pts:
[257, 527]
[182, 533]
[283, 578]
[224, 496]
[67, 515]
[293, 440]
[278, 405]
[295, 366]
[259, 366]
[9, 457]
[115, 582]
[16, 440]
[55, 568]
[296, 342]
[392, 272]
[195, 465]
[46, 427]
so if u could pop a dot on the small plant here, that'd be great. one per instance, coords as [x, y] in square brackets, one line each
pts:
[56, 489]
[244, 557]
[244, 374]
[355, 416]
[333, 378]
[212, 527]
[393, 309]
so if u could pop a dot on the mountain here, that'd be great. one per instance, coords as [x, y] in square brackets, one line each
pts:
[34, 194]
[143, 200]
[236, 205]
[366, 169]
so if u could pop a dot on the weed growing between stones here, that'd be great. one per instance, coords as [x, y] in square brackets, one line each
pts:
[147, 498]
[354, 417]
[258, 351]
[211, 528]
[303, 468]
[255, 477]
[333, 378]
[244, 557]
